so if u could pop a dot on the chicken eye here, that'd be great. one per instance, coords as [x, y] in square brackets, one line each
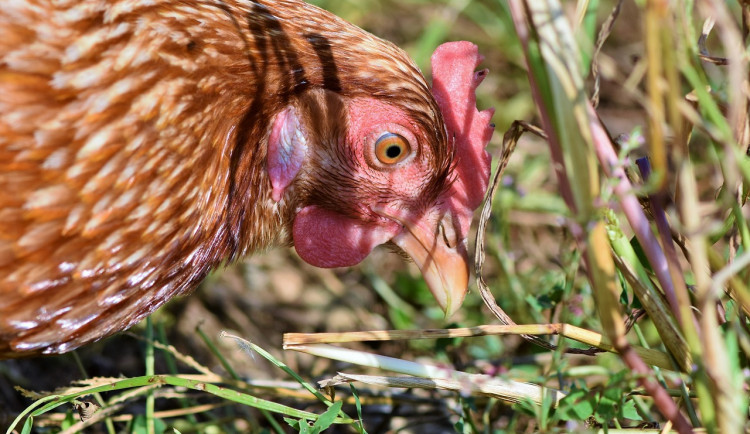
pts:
[391, 148]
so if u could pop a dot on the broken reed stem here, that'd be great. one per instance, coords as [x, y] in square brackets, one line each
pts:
[651, 357]
[433, 377]
[510, 391]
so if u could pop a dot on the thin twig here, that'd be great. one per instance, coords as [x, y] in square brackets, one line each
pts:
[604, 33]
[708, 25]
[510, 140]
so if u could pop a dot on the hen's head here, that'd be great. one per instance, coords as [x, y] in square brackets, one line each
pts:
[367, 169]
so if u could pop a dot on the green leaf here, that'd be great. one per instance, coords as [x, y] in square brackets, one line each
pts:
[70, 420]
[628, 411]
[578, 405]
[534, 303]
[459, 426]
[526, 406]
[640, 254]
[607, 408]
[326, 419]
[545, 301]
[360, 425]
[304, 427]
[28, 425]
[294, 423]
[139, 425]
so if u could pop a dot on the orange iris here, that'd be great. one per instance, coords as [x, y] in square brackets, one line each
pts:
[391, 148]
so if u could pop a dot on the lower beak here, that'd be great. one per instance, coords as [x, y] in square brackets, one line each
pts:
[441, 257]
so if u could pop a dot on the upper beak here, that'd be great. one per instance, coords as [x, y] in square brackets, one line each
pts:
[441, 257]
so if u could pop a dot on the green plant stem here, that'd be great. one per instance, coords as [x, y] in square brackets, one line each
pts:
[225, 363]
[149, 360]
[98, 396]
[248, 346]
[172, 367]
[50, 402]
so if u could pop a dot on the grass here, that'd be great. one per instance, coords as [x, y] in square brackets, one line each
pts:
[585, 244]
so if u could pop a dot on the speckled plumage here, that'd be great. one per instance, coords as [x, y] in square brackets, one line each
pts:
[132, 148]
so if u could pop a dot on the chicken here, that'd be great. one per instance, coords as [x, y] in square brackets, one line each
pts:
[144, 143]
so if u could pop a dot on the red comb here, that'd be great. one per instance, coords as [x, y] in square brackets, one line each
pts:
[454, 82]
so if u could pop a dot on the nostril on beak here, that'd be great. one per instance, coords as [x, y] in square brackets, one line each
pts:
[448, 231]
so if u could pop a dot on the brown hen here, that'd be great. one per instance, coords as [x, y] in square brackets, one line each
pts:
[144, 143]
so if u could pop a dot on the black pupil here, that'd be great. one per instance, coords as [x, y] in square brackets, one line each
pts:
[393, 151]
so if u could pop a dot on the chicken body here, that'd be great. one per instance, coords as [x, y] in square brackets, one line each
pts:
[144, 143]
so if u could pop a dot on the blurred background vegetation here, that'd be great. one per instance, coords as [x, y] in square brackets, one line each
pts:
[534, 264]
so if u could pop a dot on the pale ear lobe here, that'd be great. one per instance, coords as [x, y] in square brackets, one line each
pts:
[287, 148]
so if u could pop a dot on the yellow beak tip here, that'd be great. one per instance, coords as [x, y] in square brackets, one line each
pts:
[452, 306]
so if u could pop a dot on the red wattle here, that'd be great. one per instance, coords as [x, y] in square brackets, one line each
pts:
[328, 239]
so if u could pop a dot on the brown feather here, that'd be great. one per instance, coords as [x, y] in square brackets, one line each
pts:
[132, 147]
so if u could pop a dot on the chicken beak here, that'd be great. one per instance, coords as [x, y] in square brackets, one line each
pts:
[441, 257]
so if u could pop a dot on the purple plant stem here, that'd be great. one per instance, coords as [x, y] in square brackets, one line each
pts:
[632, 208]
[662, 225]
